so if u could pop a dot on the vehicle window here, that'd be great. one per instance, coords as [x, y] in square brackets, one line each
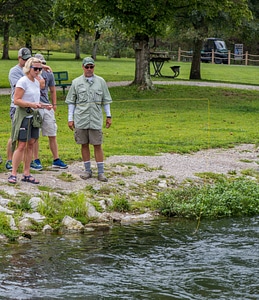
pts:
[220, 45]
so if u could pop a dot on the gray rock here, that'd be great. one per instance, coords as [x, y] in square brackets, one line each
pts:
[6, 210]
[71, 224]
[92, 212]
[47, 229]
[34, 202]
[25, 224]
[35, 216]
[12, 223]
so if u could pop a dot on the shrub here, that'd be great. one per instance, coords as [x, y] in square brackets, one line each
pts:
[227, 198]
[120, 204]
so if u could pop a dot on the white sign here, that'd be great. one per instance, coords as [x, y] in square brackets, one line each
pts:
[238, 51]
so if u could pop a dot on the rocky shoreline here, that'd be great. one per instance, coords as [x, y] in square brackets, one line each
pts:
[139, 178]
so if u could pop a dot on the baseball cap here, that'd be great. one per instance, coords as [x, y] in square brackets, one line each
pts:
[88, 61]
[24, 53]
[41, 57]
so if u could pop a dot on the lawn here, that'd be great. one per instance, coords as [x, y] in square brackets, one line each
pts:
[123, 69]
[172, 119]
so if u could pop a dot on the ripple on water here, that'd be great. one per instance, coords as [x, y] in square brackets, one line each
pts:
[163, 259]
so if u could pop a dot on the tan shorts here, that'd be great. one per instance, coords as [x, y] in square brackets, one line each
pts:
[88, 136]
[49, 126]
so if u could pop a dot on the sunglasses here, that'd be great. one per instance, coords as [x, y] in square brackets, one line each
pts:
[89, 67]
[36, 69]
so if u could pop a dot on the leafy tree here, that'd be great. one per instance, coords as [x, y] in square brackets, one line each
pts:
[7, 12]
[143, 19]
[79, 16]
[140, 20]
[24, 18]
[203, 15]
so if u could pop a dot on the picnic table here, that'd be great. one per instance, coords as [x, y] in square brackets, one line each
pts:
[45, 52]
[158, 59]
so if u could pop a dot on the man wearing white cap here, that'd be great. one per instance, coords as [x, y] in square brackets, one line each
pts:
[85, 98]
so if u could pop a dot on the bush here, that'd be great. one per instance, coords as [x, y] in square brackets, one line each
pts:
[228, 198]
[120, 204]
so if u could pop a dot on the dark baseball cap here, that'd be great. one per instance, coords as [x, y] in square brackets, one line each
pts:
[24, 53]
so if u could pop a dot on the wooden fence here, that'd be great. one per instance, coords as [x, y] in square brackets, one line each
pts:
[245, 59]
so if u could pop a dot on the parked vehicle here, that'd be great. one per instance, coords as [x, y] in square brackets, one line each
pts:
[220, 51]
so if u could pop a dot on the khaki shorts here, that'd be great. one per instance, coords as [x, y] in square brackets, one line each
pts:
[49, 126]
[88, 136]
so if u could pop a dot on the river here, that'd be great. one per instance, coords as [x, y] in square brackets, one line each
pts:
[161, 259]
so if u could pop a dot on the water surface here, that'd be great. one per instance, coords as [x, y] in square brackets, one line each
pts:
[163, 259]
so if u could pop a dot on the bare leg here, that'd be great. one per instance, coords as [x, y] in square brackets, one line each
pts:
[53, 145]
[28, 157]
[9, 151]
[98, 153]
[85, 150]
[18, 156]
[35, 150]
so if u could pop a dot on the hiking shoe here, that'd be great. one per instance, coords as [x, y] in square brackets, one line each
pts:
[86, 175]
[59, 164]
[9, 165]
[36, 165]
[101, 177]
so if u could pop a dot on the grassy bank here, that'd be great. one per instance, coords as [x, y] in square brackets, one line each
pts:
[171, 119]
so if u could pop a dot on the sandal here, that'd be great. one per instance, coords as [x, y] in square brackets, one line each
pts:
[30, 179]
[12, 179]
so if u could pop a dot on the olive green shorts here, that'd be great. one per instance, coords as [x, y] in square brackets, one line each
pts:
[88, 136]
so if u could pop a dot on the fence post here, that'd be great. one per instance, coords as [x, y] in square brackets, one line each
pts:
[212, 56]
[229, 57]
[246, 58]
[179, 54]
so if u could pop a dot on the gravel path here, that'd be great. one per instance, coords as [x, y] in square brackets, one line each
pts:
[136, 170]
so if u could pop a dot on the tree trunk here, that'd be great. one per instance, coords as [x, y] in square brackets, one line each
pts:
[195, 72]
[142, 60]
[77, 45]
[5, 40]
[95, 47]
[28, 42]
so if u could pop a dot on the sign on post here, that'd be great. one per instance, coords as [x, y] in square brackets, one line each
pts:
[238, 51]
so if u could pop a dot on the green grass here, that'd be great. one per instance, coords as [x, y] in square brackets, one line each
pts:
[226, 198]
[124, 69]
[171, 119]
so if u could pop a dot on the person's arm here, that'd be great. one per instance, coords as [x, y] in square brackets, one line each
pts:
[107, 110]
[41, 81]
[46, 68]
[53, 96]
[71, 109]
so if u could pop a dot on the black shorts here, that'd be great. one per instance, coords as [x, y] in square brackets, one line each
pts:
[27, 131]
